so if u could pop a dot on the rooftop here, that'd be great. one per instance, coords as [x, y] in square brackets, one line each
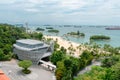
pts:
[29, 41]
[28, 49]
[3, 76]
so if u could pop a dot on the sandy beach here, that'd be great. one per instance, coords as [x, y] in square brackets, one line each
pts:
[78, 48]
[66, 44]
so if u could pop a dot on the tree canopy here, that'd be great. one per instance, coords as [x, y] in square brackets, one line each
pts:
[8, 36]
[25, 64]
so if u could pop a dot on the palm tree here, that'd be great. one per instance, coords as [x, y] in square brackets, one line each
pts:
[71, 49]
[79, 47]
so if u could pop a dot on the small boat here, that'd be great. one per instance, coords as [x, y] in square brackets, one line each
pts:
[114, 28]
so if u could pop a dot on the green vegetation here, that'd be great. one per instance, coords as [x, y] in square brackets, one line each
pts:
[37, 36]
[78, 34]
[97, 73]
[25, 64]
[56, 46]
[111, 49]
[110, 61]
[53, 31]
[99, 37]
[57, 56]
[109, 71]
[4, 57]
[68, 66]
[115, 70]
[49, 27]
[8, 36]
[40, 29]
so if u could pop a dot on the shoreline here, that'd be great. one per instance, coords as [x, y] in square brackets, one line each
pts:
[66, 44]
[77, 48]
[114, 42]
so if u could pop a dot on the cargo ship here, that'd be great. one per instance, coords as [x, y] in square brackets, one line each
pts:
[114, 28]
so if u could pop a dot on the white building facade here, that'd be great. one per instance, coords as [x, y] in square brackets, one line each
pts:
[34, 50]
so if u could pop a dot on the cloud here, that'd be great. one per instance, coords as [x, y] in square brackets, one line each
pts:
[32, 10]
[61, 10]
[73, 4]
[7, 1]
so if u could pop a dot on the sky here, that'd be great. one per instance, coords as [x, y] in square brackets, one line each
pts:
[59, 12]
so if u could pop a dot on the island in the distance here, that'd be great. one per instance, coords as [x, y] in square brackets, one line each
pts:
[49, 27]
[53, 31]
[39, 29]
[99, 37]
[76, 34]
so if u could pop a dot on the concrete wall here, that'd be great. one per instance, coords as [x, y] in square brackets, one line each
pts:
[34, 56]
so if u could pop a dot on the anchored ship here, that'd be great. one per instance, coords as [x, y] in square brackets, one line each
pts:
[114, 28]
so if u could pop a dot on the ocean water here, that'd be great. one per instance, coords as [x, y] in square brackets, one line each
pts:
[88, 31]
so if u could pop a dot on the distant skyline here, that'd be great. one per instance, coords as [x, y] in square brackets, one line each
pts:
[58, 12]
